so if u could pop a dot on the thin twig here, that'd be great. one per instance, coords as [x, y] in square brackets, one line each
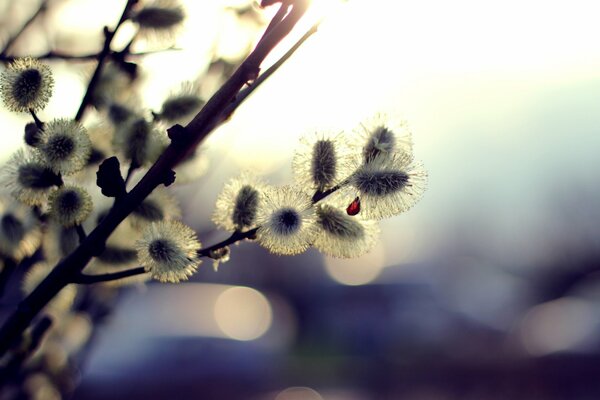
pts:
[247, 91]
[277, 18]
[80, 232]
[57, 55]
[37, 121]
[235, 237]
[42, 7]
[132, 168]
[102, 56]
[86, 279]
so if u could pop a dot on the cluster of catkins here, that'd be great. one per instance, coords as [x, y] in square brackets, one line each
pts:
[52, 197]
[344, 184]
[341, 189]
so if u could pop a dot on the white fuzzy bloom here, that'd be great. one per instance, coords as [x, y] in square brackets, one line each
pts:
[28, 179]
[26, 84]
[158, 206]
[386, 186]
[238, 203]
[139, 141]
[64, 146]
[20, 233]
[159, 18]
[168, 250]
[181, 105]
[286, 221]
[113, 84]
[341, 235]
[321, 162]
[382, 136]
[69, 205]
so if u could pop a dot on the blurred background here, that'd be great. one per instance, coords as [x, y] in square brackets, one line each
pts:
[489, 288]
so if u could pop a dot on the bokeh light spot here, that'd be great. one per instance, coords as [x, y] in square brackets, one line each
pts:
[557, 325]
[298, 393]
[243, 313]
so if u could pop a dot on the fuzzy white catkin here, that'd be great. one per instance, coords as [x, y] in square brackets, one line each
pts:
[322, 161]
[382, 136]
[159, 18]
[64, 146]
[286, 221]
[341, 235]
[20, 231]
[239, 203]
[386, 186]
[168, 250]
[69, 205]
[26, 85]
[139, 141]
[159, 205]
[28, 179]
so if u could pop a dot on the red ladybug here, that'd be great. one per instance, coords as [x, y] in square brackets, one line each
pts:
[354, 207]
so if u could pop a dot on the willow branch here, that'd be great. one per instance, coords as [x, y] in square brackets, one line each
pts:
[184, 140]
[86, 279]
[102, 56]
[80, 232]
[244, 93]
[37, 121]
[235, 237]
[58, 55]
[55, 55]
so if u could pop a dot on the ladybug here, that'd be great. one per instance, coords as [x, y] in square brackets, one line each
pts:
[354, 207]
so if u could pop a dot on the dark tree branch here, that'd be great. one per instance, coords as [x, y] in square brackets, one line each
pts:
[37, 121]
[281, 13]
[10, 265]
[80, 232]
[132, 168]
[102, 56]
[113, 276]
[318, 196]
[234, 238]
[42, 8]
[247, 91]
[207, 119]
[57, 55]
